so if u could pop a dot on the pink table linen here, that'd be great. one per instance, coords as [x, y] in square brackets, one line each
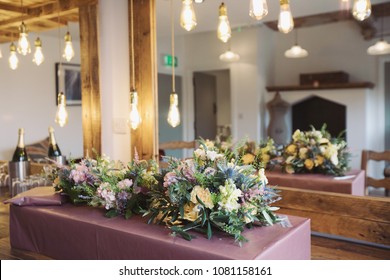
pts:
[352, 184]
[82, 232]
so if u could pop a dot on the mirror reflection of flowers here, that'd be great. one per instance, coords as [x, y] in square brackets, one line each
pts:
[316, 151]
[208, 193]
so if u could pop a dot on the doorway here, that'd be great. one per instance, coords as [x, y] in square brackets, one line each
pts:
[212, 105]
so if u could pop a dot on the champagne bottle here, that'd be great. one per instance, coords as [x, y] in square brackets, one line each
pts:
[20, 153]
[54, 150]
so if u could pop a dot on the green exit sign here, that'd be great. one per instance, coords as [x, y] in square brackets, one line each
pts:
[168, 60]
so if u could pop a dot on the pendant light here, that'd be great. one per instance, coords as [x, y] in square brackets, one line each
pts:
[361, 9]
[62, 114]
[134, 119]
[38, 54]
[296, 51]
[173, 113]
[229, 55]
[380, 47]
[285, 21]
[68, 50]
[258, 9]
[199, 1]
[187, 15]
[23, 43]
[13, 60]
[224, 30]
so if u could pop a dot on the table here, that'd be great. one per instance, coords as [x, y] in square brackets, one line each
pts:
[353, 183]
[82, 232]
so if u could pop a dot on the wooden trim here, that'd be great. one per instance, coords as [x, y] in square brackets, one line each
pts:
[357, 217]
[320, 87]
[145, 138]
[173, 145]
[90, 86]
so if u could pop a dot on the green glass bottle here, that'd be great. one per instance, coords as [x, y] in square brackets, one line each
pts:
[54, 150]
[20, 153]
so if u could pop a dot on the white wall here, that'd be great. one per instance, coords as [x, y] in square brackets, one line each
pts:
[28, 100]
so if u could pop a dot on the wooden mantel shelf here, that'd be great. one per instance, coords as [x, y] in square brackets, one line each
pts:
[320, 87]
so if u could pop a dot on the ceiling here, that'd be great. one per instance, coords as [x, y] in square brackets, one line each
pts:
[44, 15]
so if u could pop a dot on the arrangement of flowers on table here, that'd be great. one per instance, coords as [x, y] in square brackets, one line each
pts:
[121, 190]
[316, 151]
[205, 193]
[210, 192]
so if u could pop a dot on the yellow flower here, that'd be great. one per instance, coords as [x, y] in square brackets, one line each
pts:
[289, 169]
[265, 158]
[203, 194]
[319, 160]
[248, 158]
[291, 149]
[309, 164]
[191, 212]
[303, 153]
[56, 181]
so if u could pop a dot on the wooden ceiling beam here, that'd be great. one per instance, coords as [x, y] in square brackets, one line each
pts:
[367, 27]
[48, 10]
[11, 8]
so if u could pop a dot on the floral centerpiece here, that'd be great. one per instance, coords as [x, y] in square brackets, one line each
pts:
[209, 192]
[120, 190]
[315, 151]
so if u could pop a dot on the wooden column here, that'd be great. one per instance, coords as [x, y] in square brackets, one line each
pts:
[90, 90]
[145, 137]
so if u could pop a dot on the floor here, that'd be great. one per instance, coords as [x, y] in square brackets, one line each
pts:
[322, 248]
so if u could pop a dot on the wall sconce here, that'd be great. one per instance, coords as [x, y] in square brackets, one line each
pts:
[361, 9]
[258, 9]
[13, 60]
[224, 30]
[187, 16]
[285, 21]
[38, 54]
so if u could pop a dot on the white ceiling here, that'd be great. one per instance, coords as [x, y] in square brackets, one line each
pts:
[238, 13]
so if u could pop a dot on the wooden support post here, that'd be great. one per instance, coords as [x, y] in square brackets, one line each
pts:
[90, 89]
[145, 137]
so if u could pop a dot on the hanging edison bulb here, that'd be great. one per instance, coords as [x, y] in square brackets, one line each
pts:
[285, 21]
[361, 9]
[187, 16]
[61, 114]
[38, 54]
[224, 31]
[258, 9]
[173, 113]
[68, 50]
[23, 43]
[134, 115]
[13, 60]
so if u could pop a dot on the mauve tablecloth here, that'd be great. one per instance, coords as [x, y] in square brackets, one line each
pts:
[353, 184]
[82, 232]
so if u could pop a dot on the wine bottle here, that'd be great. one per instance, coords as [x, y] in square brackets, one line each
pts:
[20, 153]
[54, 150]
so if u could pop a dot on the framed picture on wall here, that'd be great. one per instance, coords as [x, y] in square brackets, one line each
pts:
[68, 80]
